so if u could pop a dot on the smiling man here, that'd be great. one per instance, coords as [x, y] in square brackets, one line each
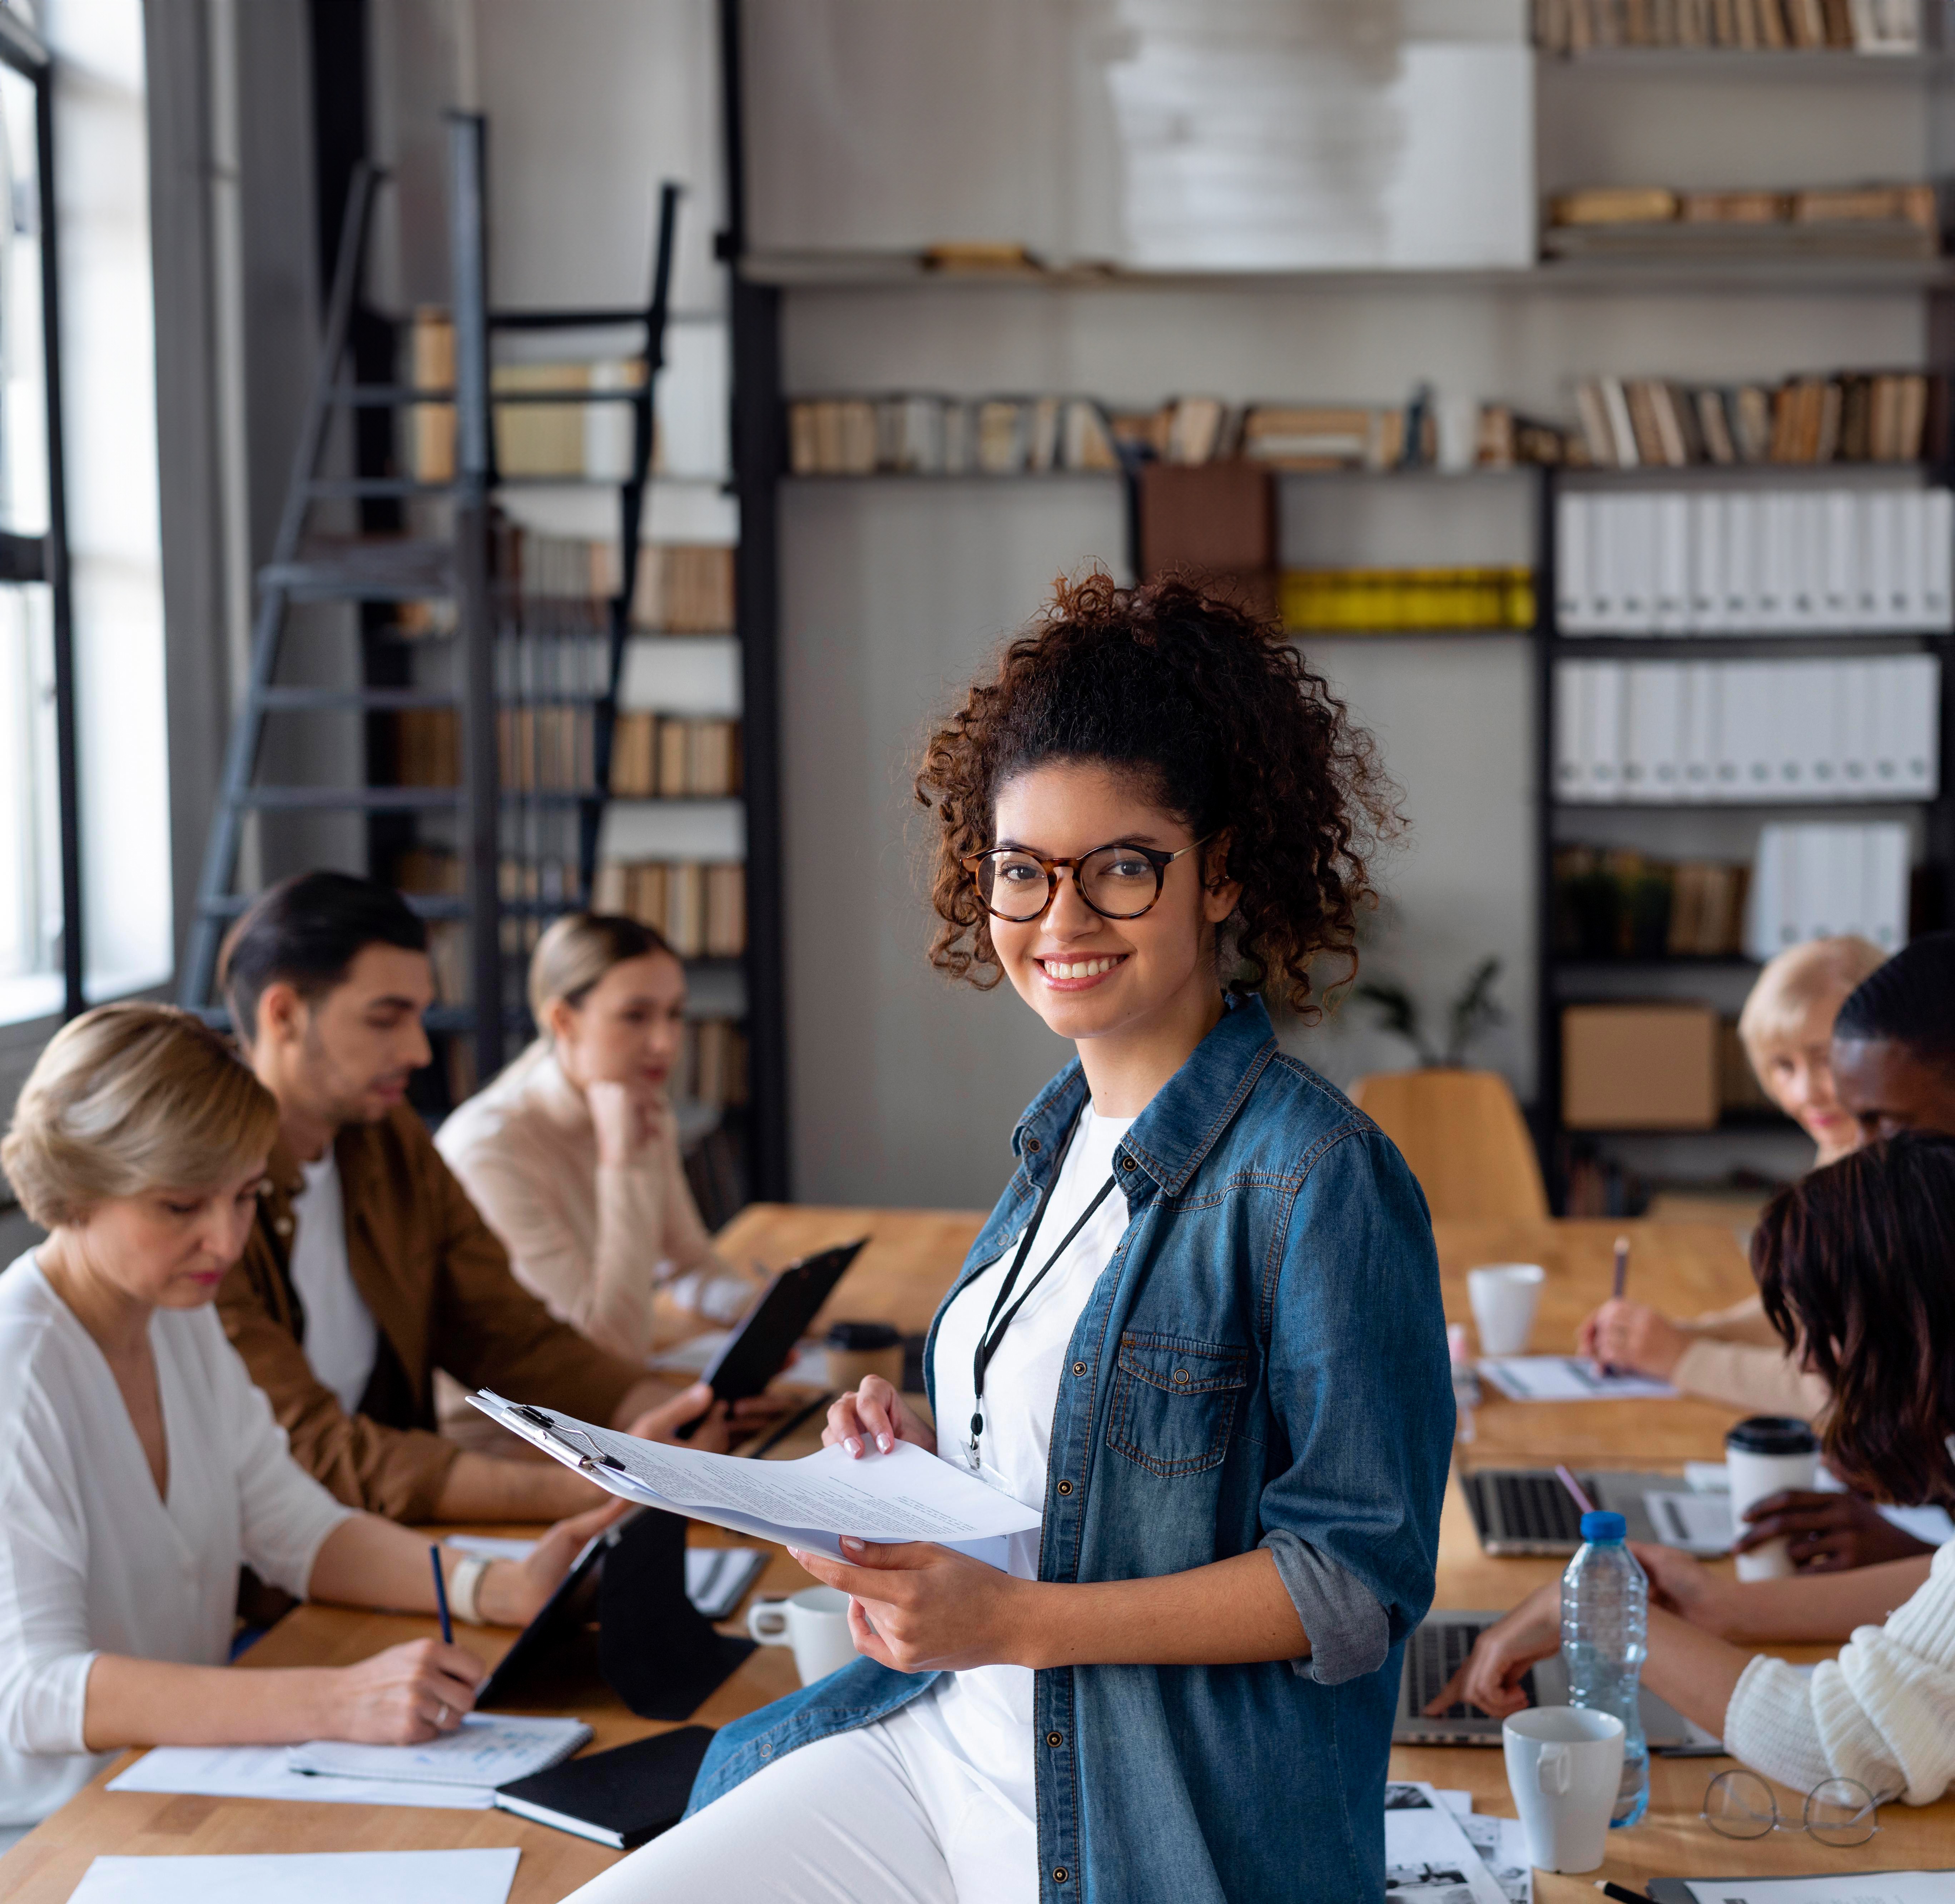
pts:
[368, 1268]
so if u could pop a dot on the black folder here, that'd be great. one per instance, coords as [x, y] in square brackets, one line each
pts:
[622, 1798]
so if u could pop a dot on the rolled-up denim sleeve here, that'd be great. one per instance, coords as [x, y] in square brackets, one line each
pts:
[1362, 1397]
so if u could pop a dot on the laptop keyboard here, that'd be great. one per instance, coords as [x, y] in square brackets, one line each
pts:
[1528, 1507]
[1434, 1653]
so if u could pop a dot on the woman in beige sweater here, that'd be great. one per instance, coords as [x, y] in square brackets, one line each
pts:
[572, 1154]
[1733, 1355]
[1859, 1253]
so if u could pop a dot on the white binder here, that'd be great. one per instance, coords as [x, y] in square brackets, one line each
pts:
[1701, 701]
[1571, 558]
[1571, 716]
[1708, 614]
[1772, 578]
[1885, 863]
[1653, 738]
[1670, 528]
[1604, 738]
[1910, 559]
[1841, 560]
[1742, 531]
[1917, 688]
[1938, 606]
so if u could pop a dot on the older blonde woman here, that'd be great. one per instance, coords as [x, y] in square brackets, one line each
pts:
[140, 1468]
[572, 1154]
[1733, 1355]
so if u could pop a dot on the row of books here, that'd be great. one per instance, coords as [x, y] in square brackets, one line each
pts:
[1373, 600]
[1612, 903]
[1887, 220]
[539, 749]
[712, 1067]
[1851, 417]
[680, 588]
[1871, 26]
[1813, 882]
[671, 756]
[701, 909]
[1668, 732]
[1685, 561]
[575, 439]
[924, 435]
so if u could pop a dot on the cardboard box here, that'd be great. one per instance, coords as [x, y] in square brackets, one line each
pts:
[1639, 1067]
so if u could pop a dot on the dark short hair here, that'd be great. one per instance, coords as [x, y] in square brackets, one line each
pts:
[1856, 1265]
[305, 931]
[1910, 1000]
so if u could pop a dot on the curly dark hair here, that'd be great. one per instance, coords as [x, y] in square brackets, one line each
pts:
[1228, 727]
[1856, 1265]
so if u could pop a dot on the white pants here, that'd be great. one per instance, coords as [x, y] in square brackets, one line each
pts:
[865, 1817]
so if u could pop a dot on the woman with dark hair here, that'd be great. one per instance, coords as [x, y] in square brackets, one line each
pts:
[571, 1152]
[1858, 1263]
[1201, 1333]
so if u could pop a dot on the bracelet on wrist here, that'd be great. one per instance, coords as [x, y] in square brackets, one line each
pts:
[465, 1586]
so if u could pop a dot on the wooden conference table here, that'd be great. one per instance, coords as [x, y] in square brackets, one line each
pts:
[911, 1257]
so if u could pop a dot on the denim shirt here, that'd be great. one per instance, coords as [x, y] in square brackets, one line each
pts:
[1262, 1363]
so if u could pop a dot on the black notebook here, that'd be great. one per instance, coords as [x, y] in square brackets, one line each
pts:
[622, 1798]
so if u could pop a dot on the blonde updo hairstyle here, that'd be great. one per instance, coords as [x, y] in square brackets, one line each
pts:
[570, 960]
[128, 1099]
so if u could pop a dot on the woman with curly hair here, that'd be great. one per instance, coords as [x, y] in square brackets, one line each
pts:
[1202, 1331]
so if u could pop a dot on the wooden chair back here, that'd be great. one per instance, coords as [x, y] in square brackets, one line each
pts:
[1464, 1136]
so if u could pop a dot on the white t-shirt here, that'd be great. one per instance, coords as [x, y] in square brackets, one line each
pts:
[92, 1559]
[341, 1338]
[971, 1735]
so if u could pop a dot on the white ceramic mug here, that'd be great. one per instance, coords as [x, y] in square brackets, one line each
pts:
[1764, 1456]
[1564, 1768]
[814, 1623]
[1504, 1296]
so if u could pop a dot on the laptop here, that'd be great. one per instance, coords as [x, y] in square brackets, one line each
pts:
[1439, 1648]
[1527, 1511]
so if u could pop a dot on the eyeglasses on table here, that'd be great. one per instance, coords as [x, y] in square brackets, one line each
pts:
[1739, 1804]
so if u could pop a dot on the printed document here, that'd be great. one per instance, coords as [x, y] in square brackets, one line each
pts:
[1568, 1378]
[1428, 1857]
[479, 1877]
[904, 1495]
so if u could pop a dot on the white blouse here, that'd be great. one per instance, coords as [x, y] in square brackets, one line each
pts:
[92, 1559]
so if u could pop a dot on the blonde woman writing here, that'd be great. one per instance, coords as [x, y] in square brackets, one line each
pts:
[1733, 1355]
[139, 1466]
[572, 1154]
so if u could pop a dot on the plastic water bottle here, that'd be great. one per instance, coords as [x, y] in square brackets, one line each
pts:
[1604, 1641]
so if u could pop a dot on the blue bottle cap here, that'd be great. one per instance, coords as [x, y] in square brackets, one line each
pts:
[1602, 1525]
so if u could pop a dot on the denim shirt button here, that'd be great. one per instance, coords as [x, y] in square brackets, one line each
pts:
[1055, 1739]
[1127, 1163]
[766, 1750]
[1079, 1368]
[1059, 1874]
[1065, 1487]
[1031, 1143]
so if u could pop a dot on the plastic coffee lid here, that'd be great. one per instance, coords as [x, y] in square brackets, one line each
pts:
[859, 1336]
[1600, 1524]
[1773, 1434]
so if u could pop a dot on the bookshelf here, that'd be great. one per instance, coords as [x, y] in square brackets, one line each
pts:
[1137, 335]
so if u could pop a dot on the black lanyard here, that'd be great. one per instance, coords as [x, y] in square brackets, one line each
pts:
[993, 1332]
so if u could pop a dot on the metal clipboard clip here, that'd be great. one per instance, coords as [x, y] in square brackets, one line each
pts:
[562, 1437]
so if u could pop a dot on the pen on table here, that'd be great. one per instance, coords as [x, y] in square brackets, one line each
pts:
[1621, 1893]
[1622, 1280]
[1574, 1487]
[441, 1596]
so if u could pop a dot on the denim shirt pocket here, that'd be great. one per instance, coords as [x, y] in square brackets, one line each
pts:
[1174, 1401]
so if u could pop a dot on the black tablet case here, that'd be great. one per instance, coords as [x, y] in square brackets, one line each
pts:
[637, 1791]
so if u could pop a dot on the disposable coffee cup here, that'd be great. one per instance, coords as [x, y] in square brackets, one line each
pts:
[1504, 1297]
[1765, 1455]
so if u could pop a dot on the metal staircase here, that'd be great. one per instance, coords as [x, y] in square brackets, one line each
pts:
[458, 569]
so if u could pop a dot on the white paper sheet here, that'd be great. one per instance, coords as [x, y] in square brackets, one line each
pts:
[477, 1877]
[1842, 1887]
[1700, 1524]
[262, 1772]
[487, 1750]
[1567, 1378]
[904, 1495]
[1428, 1859]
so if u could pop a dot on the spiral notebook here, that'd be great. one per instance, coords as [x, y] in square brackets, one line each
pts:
[485, 1751]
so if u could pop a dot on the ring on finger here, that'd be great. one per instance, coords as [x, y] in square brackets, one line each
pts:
[441, 1716]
